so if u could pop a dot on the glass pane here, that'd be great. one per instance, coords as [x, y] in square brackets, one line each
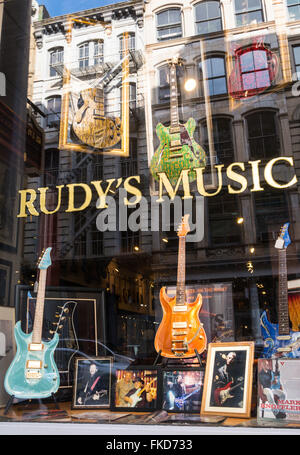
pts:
[268, 123]
[294, 12]
[217, 65]
[247, 62]
[174, 16]
[254, 125]
[263, 79]
[241, 5]
[254, 4]
[202, 27]
[163, 18]
[249, 82]
[215, 25]
[201, 12]
[296, 50]
[213, 10]
[219, 86]
[255, 17]
[260, 59]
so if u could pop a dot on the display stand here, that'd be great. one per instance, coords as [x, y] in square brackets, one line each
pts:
[12, 397]
[167, 359]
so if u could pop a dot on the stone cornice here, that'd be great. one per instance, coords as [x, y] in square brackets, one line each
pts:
[135, 8]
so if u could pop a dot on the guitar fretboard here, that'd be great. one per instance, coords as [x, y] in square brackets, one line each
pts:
[180, 288]
[39, 308]
[173, 97]
[283, 309]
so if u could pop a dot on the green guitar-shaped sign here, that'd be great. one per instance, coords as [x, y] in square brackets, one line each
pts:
[177, 150]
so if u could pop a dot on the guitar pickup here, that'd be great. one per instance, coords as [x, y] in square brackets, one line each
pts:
[284, 349]
[178, 334]
[175, 155]
[178, 341]
[179, 308]
[179, 349]
[35, 347]
[33, 364]
[179, 325]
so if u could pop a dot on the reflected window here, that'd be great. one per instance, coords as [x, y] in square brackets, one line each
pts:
[56, 58]
[164, 83]
[223, 210]
[271, 212]
[263, 135]
[254, 70]
[296, 52]
[213, 74]
[131, 43]
[293, 9]
[53, 111]
[90, 53]
[222, 138]
[168, 24]
[248, 12]
[208, 17]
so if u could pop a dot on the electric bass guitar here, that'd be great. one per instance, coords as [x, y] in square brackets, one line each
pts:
[178, 149]
[180, 334]
[33, 372]
[279, 340]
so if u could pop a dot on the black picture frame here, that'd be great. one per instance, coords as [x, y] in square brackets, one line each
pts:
[185, 397]
[88, 325]
[149, 375]
[92, 392]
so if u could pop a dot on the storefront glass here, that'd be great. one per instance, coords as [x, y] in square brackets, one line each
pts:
[149, 253]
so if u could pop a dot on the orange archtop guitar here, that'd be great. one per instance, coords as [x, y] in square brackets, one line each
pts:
[180, 334]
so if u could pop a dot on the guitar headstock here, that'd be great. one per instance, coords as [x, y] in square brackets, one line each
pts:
[176, 61]
[184, 227]
[45, 259]
[283, 240]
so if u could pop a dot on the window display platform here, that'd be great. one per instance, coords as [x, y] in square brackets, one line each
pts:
[46, 419]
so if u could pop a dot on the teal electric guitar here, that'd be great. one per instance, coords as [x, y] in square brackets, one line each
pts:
[33, 372]
[178, 149]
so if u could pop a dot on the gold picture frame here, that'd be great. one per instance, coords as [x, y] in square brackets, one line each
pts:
[228, 378]
[64, 144]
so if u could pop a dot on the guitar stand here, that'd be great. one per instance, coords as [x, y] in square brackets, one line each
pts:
[166, 363]
[12, 397]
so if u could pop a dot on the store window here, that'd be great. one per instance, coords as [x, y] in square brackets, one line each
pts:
[208, 17]
[293, 9]
[213, 75]
[248, 12]
[53, 111]
[56, 57]
[168, 24]
[222, 140]
[271, 212]
[263, 136]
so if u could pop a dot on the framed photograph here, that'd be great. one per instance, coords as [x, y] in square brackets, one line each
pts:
[228, 379]
[136, 389]
[278, 389]
[7, 346]
[182, 389]
[92, 386]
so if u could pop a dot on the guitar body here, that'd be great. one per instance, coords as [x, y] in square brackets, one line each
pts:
[172, 161]
[17, 381]
[90, 125]
[222, 393]
[272, 345]
[195, 337]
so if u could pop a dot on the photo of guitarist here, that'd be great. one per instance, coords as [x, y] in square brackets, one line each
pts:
[140, 396]
[94, 390]
[269, 381]
[227, 390]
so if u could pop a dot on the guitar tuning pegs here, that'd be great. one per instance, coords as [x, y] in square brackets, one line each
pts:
[63, 318]
[60, 326]
[66, 310]
[51, 331]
